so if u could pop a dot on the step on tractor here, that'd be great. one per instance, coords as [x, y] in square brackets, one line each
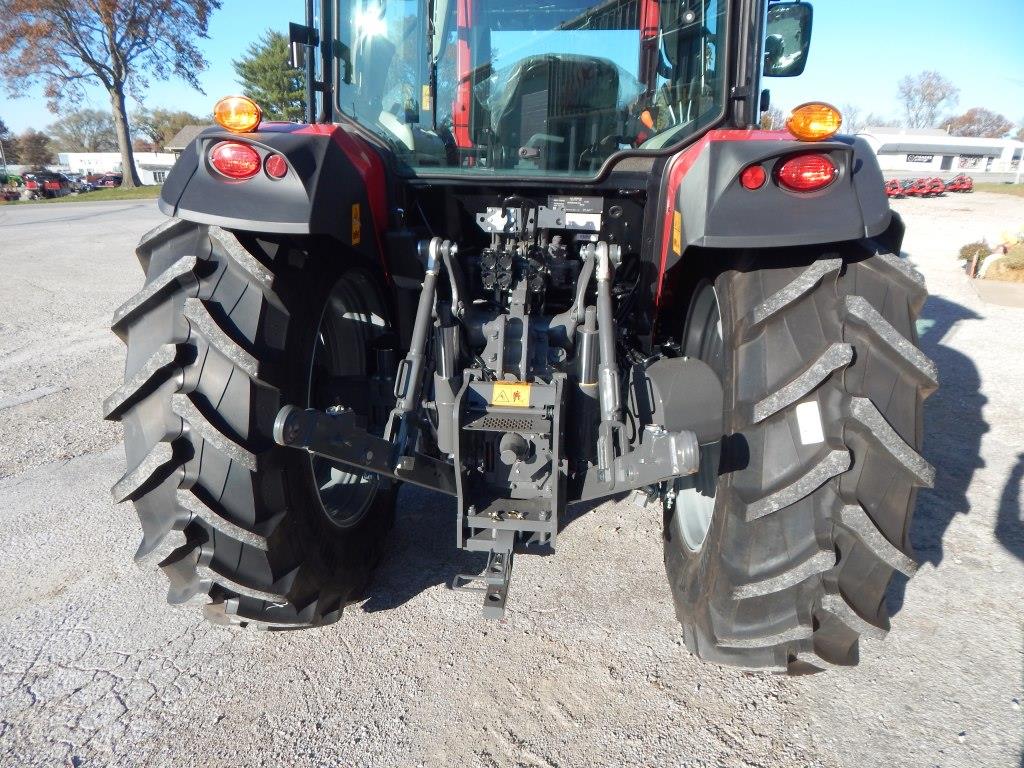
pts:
[529, 257]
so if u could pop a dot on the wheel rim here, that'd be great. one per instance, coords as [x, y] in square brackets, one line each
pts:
[351, 319]
[694, 496]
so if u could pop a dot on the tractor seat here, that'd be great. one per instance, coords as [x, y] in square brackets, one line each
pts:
[554, 112]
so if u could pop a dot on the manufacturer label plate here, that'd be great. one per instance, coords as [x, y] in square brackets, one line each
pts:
[581, 211]
[511, 394]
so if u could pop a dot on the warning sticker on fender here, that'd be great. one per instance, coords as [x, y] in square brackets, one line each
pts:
[357, 225]
[514, 394]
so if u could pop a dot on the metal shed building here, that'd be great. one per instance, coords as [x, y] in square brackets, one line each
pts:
[931, 152]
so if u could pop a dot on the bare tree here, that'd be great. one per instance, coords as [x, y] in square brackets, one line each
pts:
[880, 121]
[924, 97]
[119, 44]
[978, 121]
[158, 126]
[36, 149]
[852, 122]
[1019, 136]
[772, 119]
[87, 130]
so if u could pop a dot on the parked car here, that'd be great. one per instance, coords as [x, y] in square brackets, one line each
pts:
[79, 183]
[47, 184]
[110, 180]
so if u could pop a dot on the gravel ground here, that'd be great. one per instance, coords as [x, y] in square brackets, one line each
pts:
[96, 670]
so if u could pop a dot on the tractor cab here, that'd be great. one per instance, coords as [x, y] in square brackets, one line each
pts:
[497, 88]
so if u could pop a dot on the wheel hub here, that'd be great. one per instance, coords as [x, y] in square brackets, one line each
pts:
[339, 378]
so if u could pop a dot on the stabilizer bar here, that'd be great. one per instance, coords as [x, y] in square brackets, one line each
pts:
[337, 435]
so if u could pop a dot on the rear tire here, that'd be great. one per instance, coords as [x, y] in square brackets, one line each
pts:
[223, 334]
[818, 474]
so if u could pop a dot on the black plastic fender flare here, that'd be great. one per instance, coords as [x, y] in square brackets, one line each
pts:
[336, 185]
[704, 205]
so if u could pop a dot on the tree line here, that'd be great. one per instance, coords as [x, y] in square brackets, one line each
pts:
[927, 100]
[92, 130]
[120, 46]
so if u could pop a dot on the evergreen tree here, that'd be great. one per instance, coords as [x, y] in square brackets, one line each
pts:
[10, 145]
[267, 77]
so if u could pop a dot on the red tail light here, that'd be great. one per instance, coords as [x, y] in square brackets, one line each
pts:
[276, 166]
[753, 177]
[236, 160]
[807, 173]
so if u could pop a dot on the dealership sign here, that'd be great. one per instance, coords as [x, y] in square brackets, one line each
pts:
[920, 158]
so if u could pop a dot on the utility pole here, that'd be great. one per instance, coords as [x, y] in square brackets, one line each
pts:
[3, 161]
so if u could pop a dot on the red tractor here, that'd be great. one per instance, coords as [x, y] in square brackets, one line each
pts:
[894, 188]
[960, 183]
[530, 256]
[916, 187]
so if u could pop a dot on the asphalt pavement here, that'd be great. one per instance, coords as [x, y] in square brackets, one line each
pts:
[588, 669]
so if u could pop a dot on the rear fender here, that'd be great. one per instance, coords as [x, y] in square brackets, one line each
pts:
[335, 186]
[704, 205]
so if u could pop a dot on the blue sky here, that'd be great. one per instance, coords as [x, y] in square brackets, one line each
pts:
[860, 49]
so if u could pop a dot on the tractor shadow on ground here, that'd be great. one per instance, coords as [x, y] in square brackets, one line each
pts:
[952, 441]
[1009, 523]
[421, 551]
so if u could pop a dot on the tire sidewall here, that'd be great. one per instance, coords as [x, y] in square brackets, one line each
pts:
[693, 573]
[339, 557]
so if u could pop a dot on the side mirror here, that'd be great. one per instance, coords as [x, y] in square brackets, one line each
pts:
[789, 39]
[301, 38]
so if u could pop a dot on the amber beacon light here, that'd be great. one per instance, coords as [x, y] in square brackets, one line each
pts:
[237, 114]
[814, 121]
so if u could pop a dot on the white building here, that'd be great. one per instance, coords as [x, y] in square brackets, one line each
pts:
[152, 167]
[933, 151]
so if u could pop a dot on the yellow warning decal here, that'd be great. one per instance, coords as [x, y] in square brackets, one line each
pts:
[677, 233]
[426, 98]
[515, 394]
[357, 225]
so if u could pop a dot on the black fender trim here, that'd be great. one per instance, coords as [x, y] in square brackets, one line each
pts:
[702, 188]
[718, 212]
[335, 186]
